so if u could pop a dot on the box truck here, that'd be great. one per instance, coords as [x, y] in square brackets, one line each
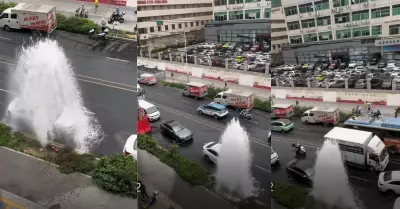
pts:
[235, 98]
[326, 116]
[360, 148]
[40, 19]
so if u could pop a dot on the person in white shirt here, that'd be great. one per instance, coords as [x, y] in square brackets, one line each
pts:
[115, 28]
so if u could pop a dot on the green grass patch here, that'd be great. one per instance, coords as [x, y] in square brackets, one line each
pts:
[289, 196]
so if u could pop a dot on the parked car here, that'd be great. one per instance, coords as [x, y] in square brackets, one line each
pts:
[176, 131]
[387, 83]
[361, 84]
[301, 170]
[376, 83]
[211, 152]
[381, 64]
[373, 61]
[282, 125]
[130, 147]
[389, 182]
[274, 157]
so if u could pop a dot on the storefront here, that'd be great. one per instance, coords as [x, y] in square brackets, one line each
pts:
[390, 48]
[345, 51]
[243, 31]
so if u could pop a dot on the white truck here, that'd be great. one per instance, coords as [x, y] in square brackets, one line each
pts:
[40, 19]
[326, 116]
[235, 98]
[360, 148]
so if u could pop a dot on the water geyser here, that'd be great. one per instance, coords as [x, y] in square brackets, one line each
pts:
[233, 176]
[48, 98]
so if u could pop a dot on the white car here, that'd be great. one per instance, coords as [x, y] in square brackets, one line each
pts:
[130, 147]
[211, 151]
[389, 182]
[352, 64]
[274, 157]
[391, 63]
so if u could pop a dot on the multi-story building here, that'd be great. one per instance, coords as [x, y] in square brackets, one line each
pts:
[339, 28]
[169, 22]
[240, 21]
[279, 37]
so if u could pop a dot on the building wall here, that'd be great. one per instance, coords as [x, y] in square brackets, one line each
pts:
[279, 36]
[353, 24]
[222, 8]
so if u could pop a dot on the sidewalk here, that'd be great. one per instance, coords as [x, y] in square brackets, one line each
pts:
[180, 78]
[385, 110]
[166, 181]
[9, 200]
[67, 8]
[42, 183]
[275, 205]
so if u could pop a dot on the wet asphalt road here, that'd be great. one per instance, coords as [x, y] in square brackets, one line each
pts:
[363, 182]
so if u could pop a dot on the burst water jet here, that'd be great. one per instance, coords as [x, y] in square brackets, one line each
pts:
[233, 176]
[44, 88]
[331, 187]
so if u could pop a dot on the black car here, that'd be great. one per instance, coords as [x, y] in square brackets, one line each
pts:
[301, 170]
[176, 131]
[373, 61]
[382, 64]
[376, 83]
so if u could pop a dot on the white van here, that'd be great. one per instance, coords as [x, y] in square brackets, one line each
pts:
[150, 110]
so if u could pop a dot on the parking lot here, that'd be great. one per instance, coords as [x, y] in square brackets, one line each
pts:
[358, 74]
[250, 57]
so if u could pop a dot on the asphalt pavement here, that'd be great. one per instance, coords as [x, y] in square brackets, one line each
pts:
[175, 107]
[363, 182]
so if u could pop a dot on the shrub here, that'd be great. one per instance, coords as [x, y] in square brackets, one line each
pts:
[70, 161]
[117, 174]
[262, 105]
[4, 5]
[160, 49]
[188, 170]
[289, 196]
[299, 110]
[74, 24]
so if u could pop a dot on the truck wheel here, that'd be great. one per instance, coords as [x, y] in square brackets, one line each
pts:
[392, 150]
[200, 112]
[372, 169]
[306, 122]
[7, 28]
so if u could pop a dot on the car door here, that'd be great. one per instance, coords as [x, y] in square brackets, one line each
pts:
[274, 126]
[14, 23]
[168, 130]
[213, 156]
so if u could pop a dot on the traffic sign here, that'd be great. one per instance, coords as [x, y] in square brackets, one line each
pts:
[160, 22]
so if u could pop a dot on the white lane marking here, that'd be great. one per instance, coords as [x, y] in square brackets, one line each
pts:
[290, 141]
[362, 179]
[252, 121]
[5, 38]
[98, 79]
[262, 168]
[103, 84]
[185, 101]
[161, 94]
[304, 129]
[121, 60]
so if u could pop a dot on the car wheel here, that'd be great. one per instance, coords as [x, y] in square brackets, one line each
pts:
[216, 117]
[390, 193]
[306, 122]
[392, 150]
[200, 112]
[371, 169]
[7, 28]
[206, 158]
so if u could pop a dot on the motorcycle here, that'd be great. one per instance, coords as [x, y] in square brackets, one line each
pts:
[103, 35]
[245, 114]
[116, 17]
[151, 200]
[300, 150]
[80, 13]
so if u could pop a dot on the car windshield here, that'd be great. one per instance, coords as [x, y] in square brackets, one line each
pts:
[383, 154]
[135, 145]
[387, 176]
[177, 127]
[151, 110]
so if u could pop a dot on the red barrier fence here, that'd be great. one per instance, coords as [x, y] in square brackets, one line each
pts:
[111, 2]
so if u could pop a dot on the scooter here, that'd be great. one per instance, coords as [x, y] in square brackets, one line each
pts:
[103, 35]
[117, 17]
[245, 114]
[80, 13]
[300, 150]
[151, 200]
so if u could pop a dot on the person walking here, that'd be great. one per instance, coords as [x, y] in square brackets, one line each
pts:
[116, 28]
[96, 5]
[103, 24]
[297, 103]
[143, 190]
[226, 84]
[172, 75]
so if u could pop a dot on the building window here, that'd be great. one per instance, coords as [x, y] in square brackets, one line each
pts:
[323, 21]
[220, 16]
[291, 11]
[380, 12]
[394, 29]
[396, 10]
[310, 37]
[252, 14]
[293, 25]
[180, 25]
[166, 28]
[364, 31]
[295, 39]
[276, 3]
[321, 5]
[191, 24]
[340, 3]
[235, 1]
[325, 36]
[358, 1]
[220, 2]
[159, 28]
[186, 24]
[173, 26]
[252, 1]
[308, 23]
[151, 29]
[341, 34]
[236, 15]
[342, 18]
[376, 30]
[267, 13]
[197, 23]
[304, 8]
[360, 15]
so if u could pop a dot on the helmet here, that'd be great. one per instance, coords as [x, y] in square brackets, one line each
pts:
[102, 18]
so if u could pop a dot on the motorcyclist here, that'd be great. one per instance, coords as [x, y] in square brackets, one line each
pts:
[83, 9]
[297, 144]
[117, 11]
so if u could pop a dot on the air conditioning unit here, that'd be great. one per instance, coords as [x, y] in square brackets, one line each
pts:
[341, 8]
[367, 21]
[309, 13]
[366, 4]
[334, 10]
[300, 15]
[227, 7]
[317, 13]
[355, 23]
[347, 24]
[329, 26]
[348, 6]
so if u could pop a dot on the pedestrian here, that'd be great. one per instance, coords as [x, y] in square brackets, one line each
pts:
[143, 190]
[96, 5]
[103, 24]
[369, 107]
[116, 28]
[396, 114]
[297, 103]
[226, 84]
[172, 75]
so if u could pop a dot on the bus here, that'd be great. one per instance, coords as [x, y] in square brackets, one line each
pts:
[388, 129]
